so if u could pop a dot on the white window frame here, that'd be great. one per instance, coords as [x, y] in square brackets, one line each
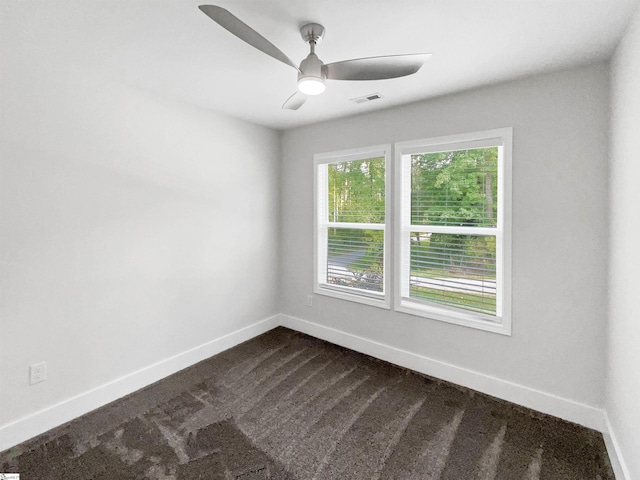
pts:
[501, 322]
[322, 224]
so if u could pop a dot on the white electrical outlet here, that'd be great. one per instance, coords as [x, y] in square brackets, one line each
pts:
[38, 372]
[309, 300]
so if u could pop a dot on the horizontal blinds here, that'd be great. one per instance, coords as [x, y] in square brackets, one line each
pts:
[355, 258]
[453, 270]
[455, 188]
[352, 226]
[356, 191]
[438, 145]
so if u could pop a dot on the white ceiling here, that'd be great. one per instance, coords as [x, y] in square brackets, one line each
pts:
[171, 48]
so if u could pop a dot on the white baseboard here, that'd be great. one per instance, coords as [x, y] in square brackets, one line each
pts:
[548, 403]
[39, 422]
[615, 455]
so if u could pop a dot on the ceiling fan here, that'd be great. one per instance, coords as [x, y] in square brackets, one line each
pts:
[312, 72]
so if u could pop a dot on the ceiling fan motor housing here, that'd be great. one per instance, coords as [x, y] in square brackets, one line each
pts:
[311, 67]
[312, 75]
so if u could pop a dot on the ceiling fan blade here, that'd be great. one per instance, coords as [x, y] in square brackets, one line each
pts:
[376, 68]
[295, 101]
[244, 32]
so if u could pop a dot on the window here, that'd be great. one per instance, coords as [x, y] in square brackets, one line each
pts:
[351, 225]
[451, 232]
[453, 235]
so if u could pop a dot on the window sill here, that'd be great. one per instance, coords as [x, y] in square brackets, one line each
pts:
[478, 321]
[352, 295]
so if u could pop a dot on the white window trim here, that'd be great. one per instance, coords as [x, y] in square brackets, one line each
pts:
[498, 324]
[382, 300]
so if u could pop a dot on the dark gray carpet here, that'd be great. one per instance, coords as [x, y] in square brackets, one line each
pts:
[288, 406]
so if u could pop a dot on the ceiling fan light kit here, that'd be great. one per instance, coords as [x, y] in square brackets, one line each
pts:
[312, 72]
[311, 85]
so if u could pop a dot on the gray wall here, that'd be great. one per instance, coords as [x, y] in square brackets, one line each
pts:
[623, 380]
[133, 228]
[560, 124]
